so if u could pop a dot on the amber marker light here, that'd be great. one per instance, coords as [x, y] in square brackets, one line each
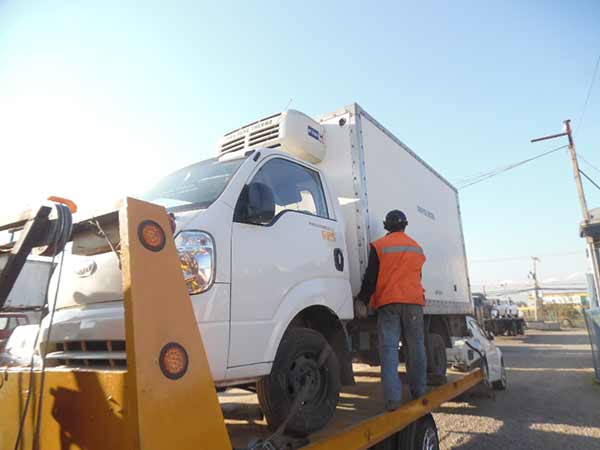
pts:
[173, 361]
[151, 235]
[65, 201]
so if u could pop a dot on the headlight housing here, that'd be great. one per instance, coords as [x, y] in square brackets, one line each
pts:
[197, 259]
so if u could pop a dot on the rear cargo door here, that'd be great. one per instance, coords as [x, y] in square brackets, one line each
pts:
[285, 265]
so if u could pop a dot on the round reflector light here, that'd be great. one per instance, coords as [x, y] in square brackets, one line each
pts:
[151, 235]
[173, 360]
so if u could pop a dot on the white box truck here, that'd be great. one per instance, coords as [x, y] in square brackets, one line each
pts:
[273, 235]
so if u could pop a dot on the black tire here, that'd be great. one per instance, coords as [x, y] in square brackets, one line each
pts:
[502, 383]
[296, 362]
[426, 437]
[436, 359]
[390, 443]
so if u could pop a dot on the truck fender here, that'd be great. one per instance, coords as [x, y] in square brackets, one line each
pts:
[312, 304]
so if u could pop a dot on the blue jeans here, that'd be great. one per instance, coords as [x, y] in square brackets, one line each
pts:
[394, 321]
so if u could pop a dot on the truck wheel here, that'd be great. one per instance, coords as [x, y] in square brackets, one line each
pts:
[502, 383]
[390, 443]
[296, 365]
[566, 323]
[436, 359]
[426, 437]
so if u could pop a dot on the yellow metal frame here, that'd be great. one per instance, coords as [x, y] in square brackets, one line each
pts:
[165, 413]
[141, 408]
[371, 431]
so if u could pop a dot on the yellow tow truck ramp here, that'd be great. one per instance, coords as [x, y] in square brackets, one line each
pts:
[166, 399]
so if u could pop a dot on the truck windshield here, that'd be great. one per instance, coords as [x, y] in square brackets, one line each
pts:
[193, 187]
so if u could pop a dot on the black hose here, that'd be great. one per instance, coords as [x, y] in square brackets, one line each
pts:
[60, 231]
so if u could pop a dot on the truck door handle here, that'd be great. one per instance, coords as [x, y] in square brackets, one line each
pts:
[338, 259]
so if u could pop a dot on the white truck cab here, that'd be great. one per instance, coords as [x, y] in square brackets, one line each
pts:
[273, 235]
[261, 244]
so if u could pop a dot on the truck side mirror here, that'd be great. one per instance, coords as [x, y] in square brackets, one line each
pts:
[257, 204]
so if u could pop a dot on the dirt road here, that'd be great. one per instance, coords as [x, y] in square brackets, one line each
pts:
[551, 403]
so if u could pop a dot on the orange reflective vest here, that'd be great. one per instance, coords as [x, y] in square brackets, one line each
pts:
[401, 260]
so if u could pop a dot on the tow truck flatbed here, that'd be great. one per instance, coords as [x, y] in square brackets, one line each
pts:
[166, 399]
[360, 416]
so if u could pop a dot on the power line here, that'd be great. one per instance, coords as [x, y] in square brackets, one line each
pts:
[516, 258]
[565, 290]
[589, 93]
[487, 175]
[491, 173]
[588, 163]
[589, 179]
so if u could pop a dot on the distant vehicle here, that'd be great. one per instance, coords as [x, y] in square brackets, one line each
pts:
[26, 299]
[479, 350]
[500, 317]
[504, 308]
[28, 295]
[8, 322]
[20, 347]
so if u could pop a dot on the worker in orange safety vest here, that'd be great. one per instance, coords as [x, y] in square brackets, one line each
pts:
[392, 285]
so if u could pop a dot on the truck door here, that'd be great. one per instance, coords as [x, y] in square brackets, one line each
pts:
[281, 263]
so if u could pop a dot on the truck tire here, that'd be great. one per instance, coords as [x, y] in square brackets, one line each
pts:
[566, 323]
[436, 359]
[295, 365]
[502, 383]
[390, 443]
[426, 437]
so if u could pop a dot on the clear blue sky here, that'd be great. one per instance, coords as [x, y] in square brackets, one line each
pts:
[88, 89]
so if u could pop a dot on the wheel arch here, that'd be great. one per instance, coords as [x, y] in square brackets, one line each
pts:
[322, 319]
[439, 325]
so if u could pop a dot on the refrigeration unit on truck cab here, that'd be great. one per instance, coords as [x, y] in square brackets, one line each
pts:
[273, 236]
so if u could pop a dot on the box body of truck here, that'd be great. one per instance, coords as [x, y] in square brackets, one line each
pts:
[373, 172]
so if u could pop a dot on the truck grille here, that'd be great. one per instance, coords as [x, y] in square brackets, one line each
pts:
[106, 354]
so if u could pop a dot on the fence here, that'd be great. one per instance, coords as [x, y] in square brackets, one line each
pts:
[592, 319]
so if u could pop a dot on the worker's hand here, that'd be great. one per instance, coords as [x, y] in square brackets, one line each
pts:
[361, 311]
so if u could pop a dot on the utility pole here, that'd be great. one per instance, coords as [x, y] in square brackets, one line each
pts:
[592, 251]
[539, 303]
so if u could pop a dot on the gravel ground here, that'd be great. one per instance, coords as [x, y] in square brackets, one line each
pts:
[552, 401]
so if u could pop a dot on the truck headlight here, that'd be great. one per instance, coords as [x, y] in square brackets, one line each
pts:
[197, 259]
